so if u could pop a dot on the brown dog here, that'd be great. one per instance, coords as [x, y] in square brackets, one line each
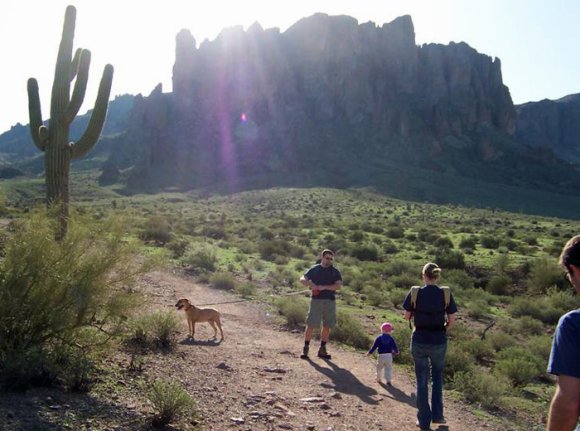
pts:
[195, 315]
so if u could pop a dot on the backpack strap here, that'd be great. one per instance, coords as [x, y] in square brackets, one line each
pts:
[447, 295]
[414, 293]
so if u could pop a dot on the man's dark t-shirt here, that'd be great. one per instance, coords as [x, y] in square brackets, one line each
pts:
[323, 277]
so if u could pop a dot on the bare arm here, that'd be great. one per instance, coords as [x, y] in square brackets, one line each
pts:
[565, 407]
[450, 320]
[334, 287]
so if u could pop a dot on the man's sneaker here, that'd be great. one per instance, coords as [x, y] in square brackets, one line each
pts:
[304, 354]
[439, 421]
[323, 354]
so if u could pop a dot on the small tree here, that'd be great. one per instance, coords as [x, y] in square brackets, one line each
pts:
[54, 139]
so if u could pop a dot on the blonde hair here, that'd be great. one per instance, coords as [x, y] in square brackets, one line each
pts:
[431, 271]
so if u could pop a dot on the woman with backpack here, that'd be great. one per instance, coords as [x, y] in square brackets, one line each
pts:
[432, 309]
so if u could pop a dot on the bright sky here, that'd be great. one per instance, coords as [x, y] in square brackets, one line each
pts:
[538, 41]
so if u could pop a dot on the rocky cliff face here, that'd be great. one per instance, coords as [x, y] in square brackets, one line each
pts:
[552, 125]
[261, 102]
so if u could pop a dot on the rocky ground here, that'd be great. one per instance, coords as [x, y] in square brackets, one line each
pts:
[253, 381]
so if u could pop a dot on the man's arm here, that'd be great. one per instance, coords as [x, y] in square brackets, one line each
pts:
[408, 315]
[565, 407]
[334, 287]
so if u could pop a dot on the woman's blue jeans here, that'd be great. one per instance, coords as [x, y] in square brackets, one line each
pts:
[429, 359]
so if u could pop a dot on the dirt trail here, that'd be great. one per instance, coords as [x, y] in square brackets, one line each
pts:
[255, 380]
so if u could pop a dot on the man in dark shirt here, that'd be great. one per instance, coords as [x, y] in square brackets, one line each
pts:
[432, 316]
[324, 280]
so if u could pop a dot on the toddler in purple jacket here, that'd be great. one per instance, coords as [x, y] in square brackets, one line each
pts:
[387, 347]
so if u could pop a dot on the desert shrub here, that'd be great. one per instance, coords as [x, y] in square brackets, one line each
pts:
[271, 248]
[61, 288]
[499, 284]
[389, 247]
[405, 280]
[365, 252]
[398, 267]
[450, 259]
[529, 325]
[443, 242]
[457, 360]
[457, 279]
[170, 401]
[214, 231]
[519, 365]
[402, 335]
[178, 247]
[201, 258]
[478, 309]
[395, 232]
[500, 340]
[489, 241]
[293, 309]
[156, 330]
[480, 387]
[544, 273]
[357, 236]
[375, 296]
[468, 242]
[398, 296]
[223, 281]
[158, 229]
[350, 331]
[246, 290]
[479, 349]
[540, 345]
[538, 308]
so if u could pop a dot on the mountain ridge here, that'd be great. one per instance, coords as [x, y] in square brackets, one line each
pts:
[334, 102]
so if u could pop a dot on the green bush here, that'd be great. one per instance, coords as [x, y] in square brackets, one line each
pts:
[544, 274]
[457, 360]
[480, 387]
[157, 229]
[519, 365]
[223, 281]
[246, 290]
[350, 331]
[157, 329]
[293, 309]
[450, 259]
[489, 241]
[499, 284]
[201, 258]
[170, 401]
[365, 252]
[61, 289]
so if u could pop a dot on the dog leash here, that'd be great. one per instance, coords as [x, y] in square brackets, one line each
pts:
[254, 299]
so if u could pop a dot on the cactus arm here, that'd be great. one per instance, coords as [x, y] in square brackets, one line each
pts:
[75, 63]
[93, 131]
[80, 87]
[35, 113]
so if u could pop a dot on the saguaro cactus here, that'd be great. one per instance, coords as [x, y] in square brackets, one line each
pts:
[54, 139]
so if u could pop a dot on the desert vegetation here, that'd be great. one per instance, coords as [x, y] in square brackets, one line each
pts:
[501, 267]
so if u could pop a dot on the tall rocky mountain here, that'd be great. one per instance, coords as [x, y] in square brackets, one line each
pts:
[552, 124]
[332, 102]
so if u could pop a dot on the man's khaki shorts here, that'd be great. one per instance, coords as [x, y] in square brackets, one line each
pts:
[322, 311]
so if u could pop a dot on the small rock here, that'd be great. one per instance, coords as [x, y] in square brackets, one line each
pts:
[224, 366]
[335, 414]
[325, 406]
[275, 370]
[238, 420]
[312, 400]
